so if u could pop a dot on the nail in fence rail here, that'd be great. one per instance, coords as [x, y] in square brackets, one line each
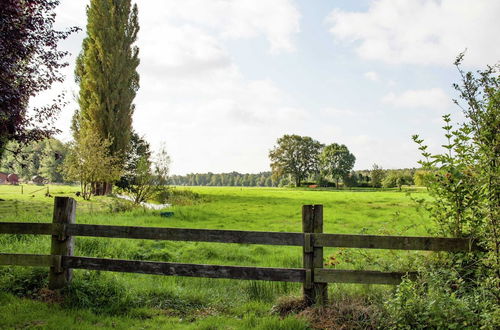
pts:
[313, 276]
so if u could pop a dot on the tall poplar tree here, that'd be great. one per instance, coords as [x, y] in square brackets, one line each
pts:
[107, 75]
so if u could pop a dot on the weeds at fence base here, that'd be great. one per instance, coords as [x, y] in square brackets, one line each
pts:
[342, 313]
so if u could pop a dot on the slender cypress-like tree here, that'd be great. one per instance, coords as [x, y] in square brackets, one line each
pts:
[107, 75]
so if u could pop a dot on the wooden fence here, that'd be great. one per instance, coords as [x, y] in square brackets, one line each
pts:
[314, 277]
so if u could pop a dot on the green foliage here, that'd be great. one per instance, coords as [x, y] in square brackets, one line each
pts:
[440, 299]
[397, 178]
[336, 161]
[177, 196]
[106, 73]
[43, 158]
[23, 282]
[262, 179]
[120, 205]
[420, 177]
[297, 156]
[461, 290]
[377, 176]
[144, 178]
[89, 162]
[139, 149]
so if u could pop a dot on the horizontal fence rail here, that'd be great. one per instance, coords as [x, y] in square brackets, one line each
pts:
[35, 260]
[314, 277]
[182, 269]
[243, 237]
[210, 271]
[394, 242]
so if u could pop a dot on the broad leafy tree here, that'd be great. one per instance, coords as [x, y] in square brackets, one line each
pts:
[29, 64]
[107, 75]
[336, 161]
[297, 156]
[90, 163]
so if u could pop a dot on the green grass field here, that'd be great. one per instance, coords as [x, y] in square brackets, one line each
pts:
[146, 301]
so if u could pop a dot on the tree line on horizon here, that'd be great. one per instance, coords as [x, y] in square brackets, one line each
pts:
[377, 177]
[46, 158]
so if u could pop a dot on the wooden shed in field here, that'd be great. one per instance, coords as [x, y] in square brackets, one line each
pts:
[13, 178]
[38, 180]
[8, 178]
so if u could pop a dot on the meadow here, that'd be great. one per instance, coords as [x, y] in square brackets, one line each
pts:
[109, 299]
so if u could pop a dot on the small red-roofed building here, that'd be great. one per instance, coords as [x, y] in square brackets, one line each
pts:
[12, 178]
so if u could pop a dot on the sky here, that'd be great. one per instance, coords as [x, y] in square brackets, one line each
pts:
[222, 80]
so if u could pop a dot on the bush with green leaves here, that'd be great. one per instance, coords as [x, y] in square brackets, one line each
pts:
[464, 183]
[397, 178]
[440, 299]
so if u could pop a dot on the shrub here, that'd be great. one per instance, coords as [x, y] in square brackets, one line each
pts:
[441, 299]
[464, 183]
[117, 205]
[178, 196]
[23, 282]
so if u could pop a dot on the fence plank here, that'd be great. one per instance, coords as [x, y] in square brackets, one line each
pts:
[34, 260]
[184, 234]
[27, 228]
[247, 237]
[394, 242]
[180, 269]
[359, 276]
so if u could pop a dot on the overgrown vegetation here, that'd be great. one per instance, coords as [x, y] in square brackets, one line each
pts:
[461, 290]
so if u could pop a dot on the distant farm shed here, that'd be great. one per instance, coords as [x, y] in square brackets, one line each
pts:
[6, 178]
[37, 179]
[13, 178]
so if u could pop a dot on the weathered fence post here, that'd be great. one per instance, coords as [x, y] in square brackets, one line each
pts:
[62, 245]
[312, 222]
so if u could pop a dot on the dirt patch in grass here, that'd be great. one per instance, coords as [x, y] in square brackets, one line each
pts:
[49, 296]
[345, 313]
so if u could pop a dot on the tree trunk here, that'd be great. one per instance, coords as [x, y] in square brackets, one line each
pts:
[108, 188]
[101, 188]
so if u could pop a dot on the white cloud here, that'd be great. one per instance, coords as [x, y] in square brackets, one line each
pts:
[422, 32]
[372, 75]
[337, 112]
[434, 98]
[277, 20]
